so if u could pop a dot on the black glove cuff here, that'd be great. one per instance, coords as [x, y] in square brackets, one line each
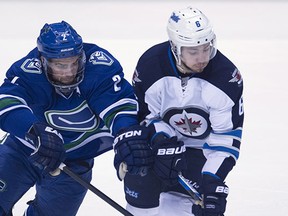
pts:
[212, 185]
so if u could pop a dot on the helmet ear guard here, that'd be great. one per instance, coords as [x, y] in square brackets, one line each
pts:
[189, 27]
[60, 40]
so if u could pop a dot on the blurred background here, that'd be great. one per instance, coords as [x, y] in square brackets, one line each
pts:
[253, 34]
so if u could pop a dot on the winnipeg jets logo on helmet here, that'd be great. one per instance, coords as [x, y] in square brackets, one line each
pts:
[174, 17]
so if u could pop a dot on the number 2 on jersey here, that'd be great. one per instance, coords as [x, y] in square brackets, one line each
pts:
[116, 80]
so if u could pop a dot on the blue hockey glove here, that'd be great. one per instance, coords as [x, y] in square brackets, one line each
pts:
[131, 147]
[215, 193]
[49, 150]
[169, 158]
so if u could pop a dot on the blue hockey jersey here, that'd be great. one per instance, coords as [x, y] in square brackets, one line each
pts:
[103, 103]
[205, 110]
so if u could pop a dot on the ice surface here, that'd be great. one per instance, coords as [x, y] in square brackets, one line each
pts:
[253, 34]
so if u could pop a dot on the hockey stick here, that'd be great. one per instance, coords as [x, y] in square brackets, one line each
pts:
[96, 191]
[185, 183]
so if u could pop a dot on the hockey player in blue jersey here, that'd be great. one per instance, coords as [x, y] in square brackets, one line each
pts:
[188, 88]
[63, 102]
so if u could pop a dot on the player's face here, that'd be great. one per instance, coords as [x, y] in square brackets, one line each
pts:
[64, 70]
[196, 58]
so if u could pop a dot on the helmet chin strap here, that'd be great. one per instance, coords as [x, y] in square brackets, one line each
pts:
[179, 64]
[183, 68]
[65, 94]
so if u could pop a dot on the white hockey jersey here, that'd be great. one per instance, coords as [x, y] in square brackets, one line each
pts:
[204, 109]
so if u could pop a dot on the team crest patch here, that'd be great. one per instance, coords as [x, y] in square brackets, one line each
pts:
[236, 77]
[100, 57]
[79, 119]
[135, 77]
[188, 125]
[32, 66]
[191, 122]
[2, 185]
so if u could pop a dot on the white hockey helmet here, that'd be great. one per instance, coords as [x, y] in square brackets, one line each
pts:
[189, 27]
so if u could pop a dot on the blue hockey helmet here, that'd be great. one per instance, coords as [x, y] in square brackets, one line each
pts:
[60, 40]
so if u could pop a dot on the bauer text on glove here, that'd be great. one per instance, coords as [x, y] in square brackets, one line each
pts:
[169, 158]
[215, 193]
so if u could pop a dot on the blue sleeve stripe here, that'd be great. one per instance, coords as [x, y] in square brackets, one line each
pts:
[223, 149]
[235, 133]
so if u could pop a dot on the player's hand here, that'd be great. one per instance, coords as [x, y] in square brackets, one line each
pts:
[131, 148]
[215, 193]
[49, 150]
[169, 158]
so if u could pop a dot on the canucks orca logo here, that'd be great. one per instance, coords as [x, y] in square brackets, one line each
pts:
[80, 119]
[190, 122]
[32, 66]
[2, 185]
[100, 57]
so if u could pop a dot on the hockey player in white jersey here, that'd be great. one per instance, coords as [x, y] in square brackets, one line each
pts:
[188, 88]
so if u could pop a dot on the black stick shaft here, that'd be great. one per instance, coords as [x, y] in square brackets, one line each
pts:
[96, 191]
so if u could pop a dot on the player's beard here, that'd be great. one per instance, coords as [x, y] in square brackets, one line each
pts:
[67, 80]
[63, 80]
[197, 68]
